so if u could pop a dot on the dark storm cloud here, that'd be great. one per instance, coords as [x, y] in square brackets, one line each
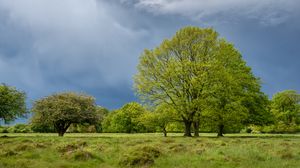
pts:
[49, 46]
[93, 46]
[266, 32]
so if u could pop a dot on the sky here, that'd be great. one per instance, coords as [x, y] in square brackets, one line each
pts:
[93, 46]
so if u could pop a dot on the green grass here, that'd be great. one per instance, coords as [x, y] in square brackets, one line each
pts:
[149, 150]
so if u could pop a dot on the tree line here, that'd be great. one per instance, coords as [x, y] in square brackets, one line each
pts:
[195, 81]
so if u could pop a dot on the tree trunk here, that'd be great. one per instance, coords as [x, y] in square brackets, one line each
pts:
[221, 130]
[61, 128]
[165, 132]
[196, 128]
[61, 133]
[187, 131]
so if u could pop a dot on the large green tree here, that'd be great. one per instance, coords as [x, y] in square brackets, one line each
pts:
[12, 103]
[187, 70]
[176, 72]
[63, 109]
[232, 90]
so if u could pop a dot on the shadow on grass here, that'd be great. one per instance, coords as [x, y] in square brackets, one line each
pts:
[5, 136]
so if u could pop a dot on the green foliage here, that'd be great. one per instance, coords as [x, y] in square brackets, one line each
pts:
[62, 110]
[101, 113]
[18, 128]
[3, 129]
[285, 110]
[258, 106]
[175, 127]
[198, 74]
[279, 127]
[21, 128]
[176, 73]
[125, 119]
[42, 127]
[284, 116]
[12, 103]
[82, 128]
[160, 118]
[285, 106]
[234, 92]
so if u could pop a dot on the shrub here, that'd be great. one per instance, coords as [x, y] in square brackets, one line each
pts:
[41, 128]
[22, 128]
[11, 129]
[246, 130]
[3, 130]
[268, 129]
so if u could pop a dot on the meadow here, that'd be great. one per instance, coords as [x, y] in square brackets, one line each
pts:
[149, 150]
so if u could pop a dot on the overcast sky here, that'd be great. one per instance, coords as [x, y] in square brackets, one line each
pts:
[93, 46]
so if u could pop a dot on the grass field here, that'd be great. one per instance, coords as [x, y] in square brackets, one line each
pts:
[149, 150]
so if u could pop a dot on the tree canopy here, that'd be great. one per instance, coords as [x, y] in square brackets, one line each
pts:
[126, 119]
[63, 109]
[285, 106]
[159, 118]
[190, 70]
[12, 103]
[232, 87]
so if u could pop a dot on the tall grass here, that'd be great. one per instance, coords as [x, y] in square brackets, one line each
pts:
[149, 150]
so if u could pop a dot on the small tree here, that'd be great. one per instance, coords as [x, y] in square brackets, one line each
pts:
[285, 106]
[125, 119]
[101, 112]
[160, 118]
[63, 109]
[12, 103]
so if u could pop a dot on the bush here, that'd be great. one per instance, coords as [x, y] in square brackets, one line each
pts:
[175, 127]
[246, 130]
[268, 129]
[42, 128]
[3, 130]
[18, 128]
[22, 128]
[280, 127]
[11, 129]
[82, 128]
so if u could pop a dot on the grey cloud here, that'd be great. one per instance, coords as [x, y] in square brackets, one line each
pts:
[268, 12]
[93, 46]
[62, 45]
